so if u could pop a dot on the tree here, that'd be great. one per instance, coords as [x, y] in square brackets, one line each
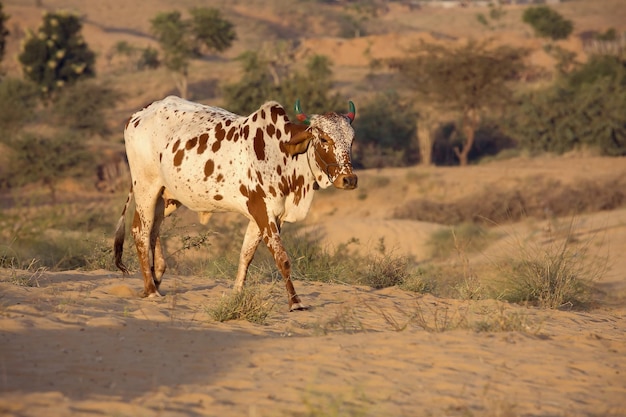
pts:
[259, 84]
[57, 54]
[547, 23]
[466, 80]
[185, 39]
[3, 32]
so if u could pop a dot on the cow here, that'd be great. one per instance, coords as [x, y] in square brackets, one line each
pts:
[263, 166]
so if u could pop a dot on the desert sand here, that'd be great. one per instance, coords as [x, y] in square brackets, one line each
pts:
[83, 343]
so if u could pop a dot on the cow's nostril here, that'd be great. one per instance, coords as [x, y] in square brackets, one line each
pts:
[349, 181]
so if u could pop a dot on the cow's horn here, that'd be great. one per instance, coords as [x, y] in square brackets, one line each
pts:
[352, 112]
[300, 114]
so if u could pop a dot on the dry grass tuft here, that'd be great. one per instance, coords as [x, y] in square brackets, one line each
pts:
[254, 304]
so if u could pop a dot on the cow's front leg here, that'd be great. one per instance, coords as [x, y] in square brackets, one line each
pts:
[250, 242]
[271, 236]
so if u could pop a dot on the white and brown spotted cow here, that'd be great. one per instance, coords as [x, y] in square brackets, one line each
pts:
[263, 166]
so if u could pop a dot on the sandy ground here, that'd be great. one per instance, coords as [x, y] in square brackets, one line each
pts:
[82, 344]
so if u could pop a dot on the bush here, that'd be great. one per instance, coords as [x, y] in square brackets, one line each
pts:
[82, 106]
[547, 23]
[47, 160]
[17, 103]
[386, 129]
[585, 108]
[502, 206]
[556, 275]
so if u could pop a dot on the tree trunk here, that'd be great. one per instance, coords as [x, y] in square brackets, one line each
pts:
[181, 80]
[425, 141]
[471, 119]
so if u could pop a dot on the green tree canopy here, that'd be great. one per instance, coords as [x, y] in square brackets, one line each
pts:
[258, 85]
[57, 54]
[547, 23]
[185, 39]
[584, 108]
[465, 80]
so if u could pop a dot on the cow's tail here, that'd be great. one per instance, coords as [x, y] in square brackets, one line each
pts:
[120, 234]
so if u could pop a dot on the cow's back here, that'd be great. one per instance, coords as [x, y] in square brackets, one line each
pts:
[204, 156]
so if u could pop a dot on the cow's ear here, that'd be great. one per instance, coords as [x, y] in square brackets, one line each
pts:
[299, 143]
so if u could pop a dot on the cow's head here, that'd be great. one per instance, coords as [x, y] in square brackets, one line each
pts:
[328, 141]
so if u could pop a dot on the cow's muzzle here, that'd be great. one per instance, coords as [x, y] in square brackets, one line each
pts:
[346, 181]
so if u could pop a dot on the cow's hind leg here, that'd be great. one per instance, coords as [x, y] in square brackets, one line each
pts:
[155, 243]
[146, 238]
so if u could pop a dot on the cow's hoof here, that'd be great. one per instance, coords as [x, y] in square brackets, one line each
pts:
[155, 294]
[298, 307]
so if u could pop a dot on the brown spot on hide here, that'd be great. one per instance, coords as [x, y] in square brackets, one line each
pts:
[208, 168]
[219, 178]
[137, 122]
[178, 158]
[218, 197]
[259, 177]
[255, 116]
[276, 112]
[272, 190]
[263, 114]
[176, 145]
[204, 138]
[231, 131]
[216, 146]
[160, 156]
[246, 132]
[271, 130]
[279, 169]
[259, 145]
[258, 209]
[228, 123]
[191, 143]
[279, 133]
[243, 190]
[220, 133]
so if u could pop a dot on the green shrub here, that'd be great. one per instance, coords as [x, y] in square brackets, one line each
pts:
[47, 160]
[17, 103]
[386, 128]
[547, 23]
[82, 106]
